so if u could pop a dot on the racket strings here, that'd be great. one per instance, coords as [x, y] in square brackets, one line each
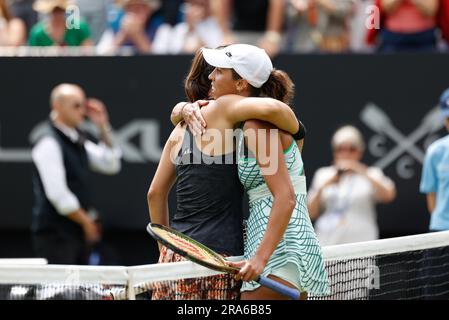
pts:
[189, 247]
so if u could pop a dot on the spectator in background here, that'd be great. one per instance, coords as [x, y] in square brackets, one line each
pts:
[256, 22]
[443, 23]
[435, 175]
[357, 29]
[12, 30]
[95, 13]
[23, 9]
[343, 196]
[406, 25]
[200, 29]
[54, 30]
[172, 11]
[62, 227]
[135, 26]
[319, 25]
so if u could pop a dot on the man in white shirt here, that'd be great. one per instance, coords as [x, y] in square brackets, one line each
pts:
[62, 228]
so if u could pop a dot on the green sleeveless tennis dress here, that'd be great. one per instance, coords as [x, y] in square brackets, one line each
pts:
[297, 258]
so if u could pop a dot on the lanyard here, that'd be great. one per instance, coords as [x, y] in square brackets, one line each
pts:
[341, 199]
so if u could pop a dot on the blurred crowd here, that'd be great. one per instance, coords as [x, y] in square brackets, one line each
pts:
[183, 26]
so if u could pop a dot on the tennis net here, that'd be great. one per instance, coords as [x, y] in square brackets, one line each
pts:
[412, 267]
[404, 268]
[60, 282]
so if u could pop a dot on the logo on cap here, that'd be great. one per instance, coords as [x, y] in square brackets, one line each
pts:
[229, 54]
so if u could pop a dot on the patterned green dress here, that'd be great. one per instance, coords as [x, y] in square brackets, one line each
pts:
[299, 247]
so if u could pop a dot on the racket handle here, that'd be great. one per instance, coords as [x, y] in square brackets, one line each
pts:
[279, 287]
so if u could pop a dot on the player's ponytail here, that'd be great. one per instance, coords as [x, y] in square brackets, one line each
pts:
[279, 86]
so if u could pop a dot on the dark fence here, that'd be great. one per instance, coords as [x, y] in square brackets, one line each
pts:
[389, 97]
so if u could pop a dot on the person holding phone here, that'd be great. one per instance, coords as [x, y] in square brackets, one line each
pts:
[343, 196]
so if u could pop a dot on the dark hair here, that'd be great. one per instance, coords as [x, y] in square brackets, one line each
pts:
[278, 86]
[4, 10]
[197, 83]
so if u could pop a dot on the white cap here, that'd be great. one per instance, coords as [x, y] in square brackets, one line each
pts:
[250, 62]
[350, 135]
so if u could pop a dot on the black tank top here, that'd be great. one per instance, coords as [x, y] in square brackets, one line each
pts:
[209, 198]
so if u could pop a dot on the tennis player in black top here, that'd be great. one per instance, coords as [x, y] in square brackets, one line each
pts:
[209, 193]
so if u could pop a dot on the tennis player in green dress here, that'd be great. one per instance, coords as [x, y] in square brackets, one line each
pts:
[281, 242]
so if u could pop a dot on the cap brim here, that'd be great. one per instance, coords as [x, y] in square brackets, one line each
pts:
[216, 58]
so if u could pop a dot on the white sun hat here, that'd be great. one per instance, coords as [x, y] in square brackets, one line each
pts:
[250, 62]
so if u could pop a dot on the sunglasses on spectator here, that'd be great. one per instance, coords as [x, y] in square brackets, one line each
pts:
[78, 105]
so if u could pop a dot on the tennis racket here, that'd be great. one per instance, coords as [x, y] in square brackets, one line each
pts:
[200, 254]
